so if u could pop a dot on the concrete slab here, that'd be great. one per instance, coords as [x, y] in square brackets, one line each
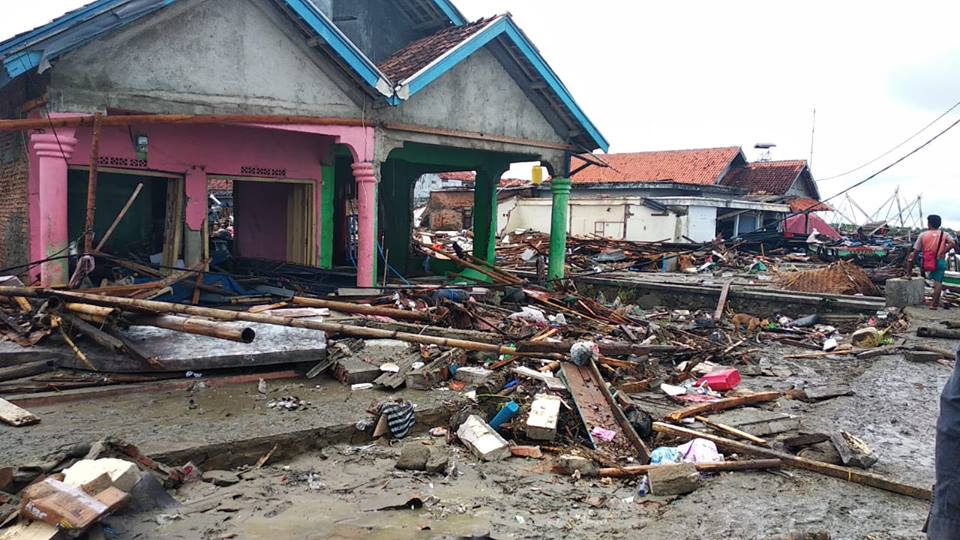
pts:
[178, 351]
[219, 427]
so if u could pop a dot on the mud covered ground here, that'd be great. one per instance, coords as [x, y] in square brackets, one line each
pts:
[335, 492]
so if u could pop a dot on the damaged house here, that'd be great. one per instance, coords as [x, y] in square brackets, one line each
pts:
[673, 196]
[316, 117]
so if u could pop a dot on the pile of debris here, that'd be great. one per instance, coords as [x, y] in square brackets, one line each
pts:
[841, 277]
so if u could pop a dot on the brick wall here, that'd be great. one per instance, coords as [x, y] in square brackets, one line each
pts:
[14, 216]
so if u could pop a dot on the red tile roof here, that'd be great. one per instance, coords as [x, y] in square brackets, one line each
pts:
[417, 55]
[804, 205]
[700, 166]
[773, 177]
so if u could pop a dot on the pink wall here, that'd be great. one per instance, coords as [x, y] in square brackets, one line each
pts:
[261, 219]
[199, 151]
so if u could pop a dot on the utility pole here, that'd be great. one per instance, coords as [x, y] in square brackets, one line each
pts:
[813, 130]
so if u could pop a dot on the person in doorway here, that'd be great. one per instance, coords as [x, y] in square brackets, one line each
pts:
[944, 520]
[933, 245]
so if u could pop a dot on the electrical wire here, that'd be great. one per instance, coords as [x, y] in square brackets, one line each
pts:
[888, 152]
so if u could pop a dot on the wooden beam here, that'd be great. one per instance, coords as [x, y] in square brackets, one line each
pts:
[721, 405]
[15, 416]
[638, 470]
[722, 303]
[186, 119]
[790, 460]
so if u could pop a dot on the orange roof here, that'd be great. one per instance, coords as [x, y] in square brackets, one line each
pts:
[811, 205]
[700, 166]
[773, 177]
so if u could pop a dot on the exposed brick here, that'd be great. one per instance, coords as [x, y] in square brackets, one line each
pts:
[14, 210]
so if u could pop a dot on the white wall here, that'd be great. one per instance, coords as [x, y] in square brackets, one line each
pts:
[588, 215]
[701, 223]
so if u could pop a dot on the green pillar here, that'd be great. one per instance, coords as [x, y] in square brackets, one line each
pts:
[560, 188]
[485, 214]
[397, 179]
[327, 190]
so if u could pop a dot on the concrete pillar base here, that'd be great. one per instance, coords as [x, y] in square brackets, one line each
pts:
[903, 292]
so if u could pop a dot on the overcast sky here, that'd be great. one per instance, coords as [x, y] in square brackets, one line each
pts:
[683, 74]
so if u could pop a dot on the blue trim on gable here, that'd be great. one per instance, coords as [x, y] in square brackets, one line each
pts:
[505, 26]
[21, 63]
[329, 32]
[451, 12]
[58, 24]
[25, 52]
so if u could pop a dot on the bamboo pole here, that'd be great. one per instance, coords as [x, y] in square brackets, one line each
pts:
[153, 306]
[184, 119]
[843, 473]
[92, 184]
[347, 307]
[638, 470]
[731, 430]
[119, 218]
[87, 309]
[192, 325]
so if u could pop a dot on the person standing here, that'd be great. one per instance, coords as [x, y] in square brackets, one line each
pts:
[944, 520]
[933, 245]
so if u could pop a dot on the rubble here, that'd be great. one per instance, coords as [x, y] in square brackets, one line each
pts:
[667, 480]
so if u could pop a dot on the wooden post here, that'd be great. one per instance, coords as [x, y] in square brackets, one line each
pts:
[92, 185]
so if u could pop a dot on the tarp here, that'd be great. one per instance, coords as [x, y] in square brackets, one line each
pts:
[799, 225]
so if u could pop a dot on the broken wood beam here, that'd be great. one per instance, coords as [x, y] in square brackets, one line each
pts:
[26, 370]
[97, 335]
[836, 471]
[92, 184]
[722, 303]
[731, 430]
[153, 306]
[193, 325]
[16, 416]
[934, 332]
[363, 309]
[639, 470]
[721, 405]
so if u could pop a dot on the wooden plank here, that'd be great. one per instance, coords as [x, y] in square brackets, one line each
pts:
[730, 430]
[173, 224]
[638, 470]
[15, 416]
[26, 370]
[836, 471]
[721, 405]
[722, 303]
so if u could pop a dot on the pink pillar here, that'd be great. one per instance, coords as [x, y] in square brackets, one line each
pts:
[366, 180]
[52, 152]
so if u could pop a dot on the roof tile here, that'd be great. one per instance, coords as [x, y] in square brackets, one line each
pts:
[417, 55]
[773, 177]
[699, 166]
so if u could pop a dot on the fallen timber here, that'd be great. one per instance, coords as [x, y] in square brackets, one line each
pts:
[638, 470]
[189, 325]
[153, 306]
[836, 471]
[362, 309]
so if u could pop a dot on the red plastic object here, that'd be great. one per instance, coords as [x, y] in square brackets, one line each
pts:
[721, 380]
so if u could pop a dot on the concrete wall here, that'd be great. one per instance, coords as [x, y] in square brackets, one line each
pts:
[477, 95]
[701, 223]
[202, 56]
[596, 216]
[14, 206]
[377, 27]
